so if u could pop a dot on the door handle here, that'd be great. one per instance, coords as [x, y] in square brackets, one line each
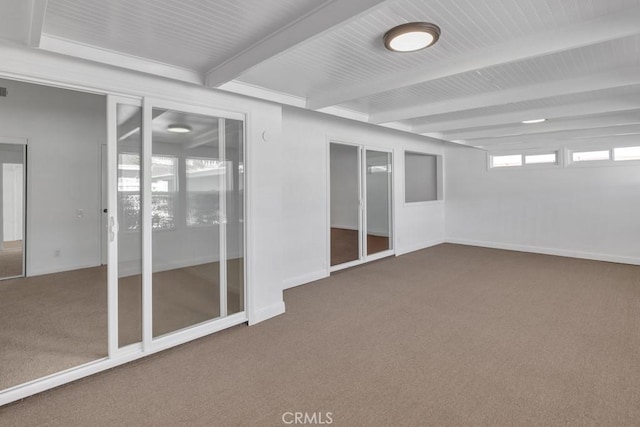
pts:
[113, 228]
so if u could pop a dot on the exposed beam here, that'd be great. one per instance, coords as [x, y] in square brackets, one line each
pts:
[36, 23]
[542, 43]
[590, 83]
[590, 122]
[562, 136]
[326, 16]
[600, 106]
[92, 53]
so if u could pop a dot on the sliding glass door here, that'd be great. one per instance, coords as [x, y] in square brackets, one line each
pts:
[177, 224]
[378, 199]
[360, 214]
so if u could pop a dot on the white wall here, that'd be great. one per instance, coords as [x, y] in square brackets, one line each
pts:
[306, 136]
[590, 212]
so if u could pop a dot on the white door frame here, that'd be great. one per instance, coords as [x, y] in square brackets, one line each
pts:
[362, 206]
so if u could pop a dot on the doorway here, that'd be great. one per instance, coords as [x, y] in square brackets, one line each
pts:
[12, 259]
[360, 204]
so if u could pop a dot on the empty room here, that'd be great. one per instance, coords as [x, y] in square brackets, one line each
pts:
[319, 212]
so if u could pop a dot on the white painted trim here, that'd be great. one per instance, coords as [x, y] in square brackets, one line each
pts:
[548, 251]
[304, 279]
[40, 272]
[266, 313]
[222, 203]
[104, 56]
[17, 140]
[380, 255]
[253, 91]
[125, 355]
[419, 246]
[347, 114]
[147, 228]
[36, 22]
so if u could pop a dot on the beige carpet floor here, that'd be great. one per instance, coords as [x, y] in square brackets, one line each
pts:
[53, 322]
[11, 259]
[447, 336]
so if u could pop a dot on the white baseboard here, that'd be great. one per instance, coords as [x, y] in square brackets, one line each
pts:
[266, 313]
[39, 272]
[417, 247]
[548, 251]
[305, 278]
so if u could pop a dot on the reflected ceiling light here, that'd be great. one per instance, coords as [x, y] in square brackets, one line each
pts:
[526, 122]
[179, 128]
[411, 37]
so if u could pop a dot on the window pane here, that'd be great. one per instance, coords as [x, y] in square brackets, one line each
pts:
[203, 188]
[130, 228]
[503, 161]
[420, 177]
[626, 153]
[589, 156]
[164, 186]
[534, 159]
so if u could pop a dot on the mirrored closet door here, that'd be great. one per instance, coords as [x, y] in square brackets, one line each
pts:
[53, 299]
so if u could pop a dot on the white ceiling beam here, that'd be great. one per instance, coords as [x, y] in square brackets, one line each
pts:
[109, 57]
[36, 23]
[600, 106]
[568, 135]
[600, 81]
[540, 44]
[326, 16]
[591, 122]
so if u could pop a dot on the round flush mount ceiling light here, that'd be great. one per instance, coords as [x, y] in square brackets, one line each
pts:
[179, 128]
[411, 37]
[528, 122]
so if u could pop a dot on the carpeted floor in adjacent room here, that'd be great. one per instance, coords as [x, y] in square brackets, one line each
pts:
[447, 336]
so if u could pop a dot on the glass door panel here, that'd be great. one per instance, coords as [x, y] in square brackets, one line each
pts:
[378, 207]
[234, 207]
[129, 216]
[187, 178]
[344, 165]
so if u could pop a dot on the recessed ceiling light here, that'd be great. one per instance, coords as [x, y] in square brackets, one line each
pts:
[179, 128]
[526, 122]
[411, 37]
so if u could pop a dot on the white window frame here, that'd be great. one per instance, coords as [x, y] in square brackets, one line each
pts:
[523, 153]
[439, 178]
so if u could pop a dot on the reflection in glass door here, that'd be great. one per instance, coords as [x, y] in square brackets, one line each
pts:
[129, 216]
[360, 204]
[345, 219]
[378, 201]
[177, 224]
[196, 219]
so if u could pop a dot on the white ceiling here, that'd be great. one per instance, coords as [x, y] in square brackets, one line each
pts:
[574, 62]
